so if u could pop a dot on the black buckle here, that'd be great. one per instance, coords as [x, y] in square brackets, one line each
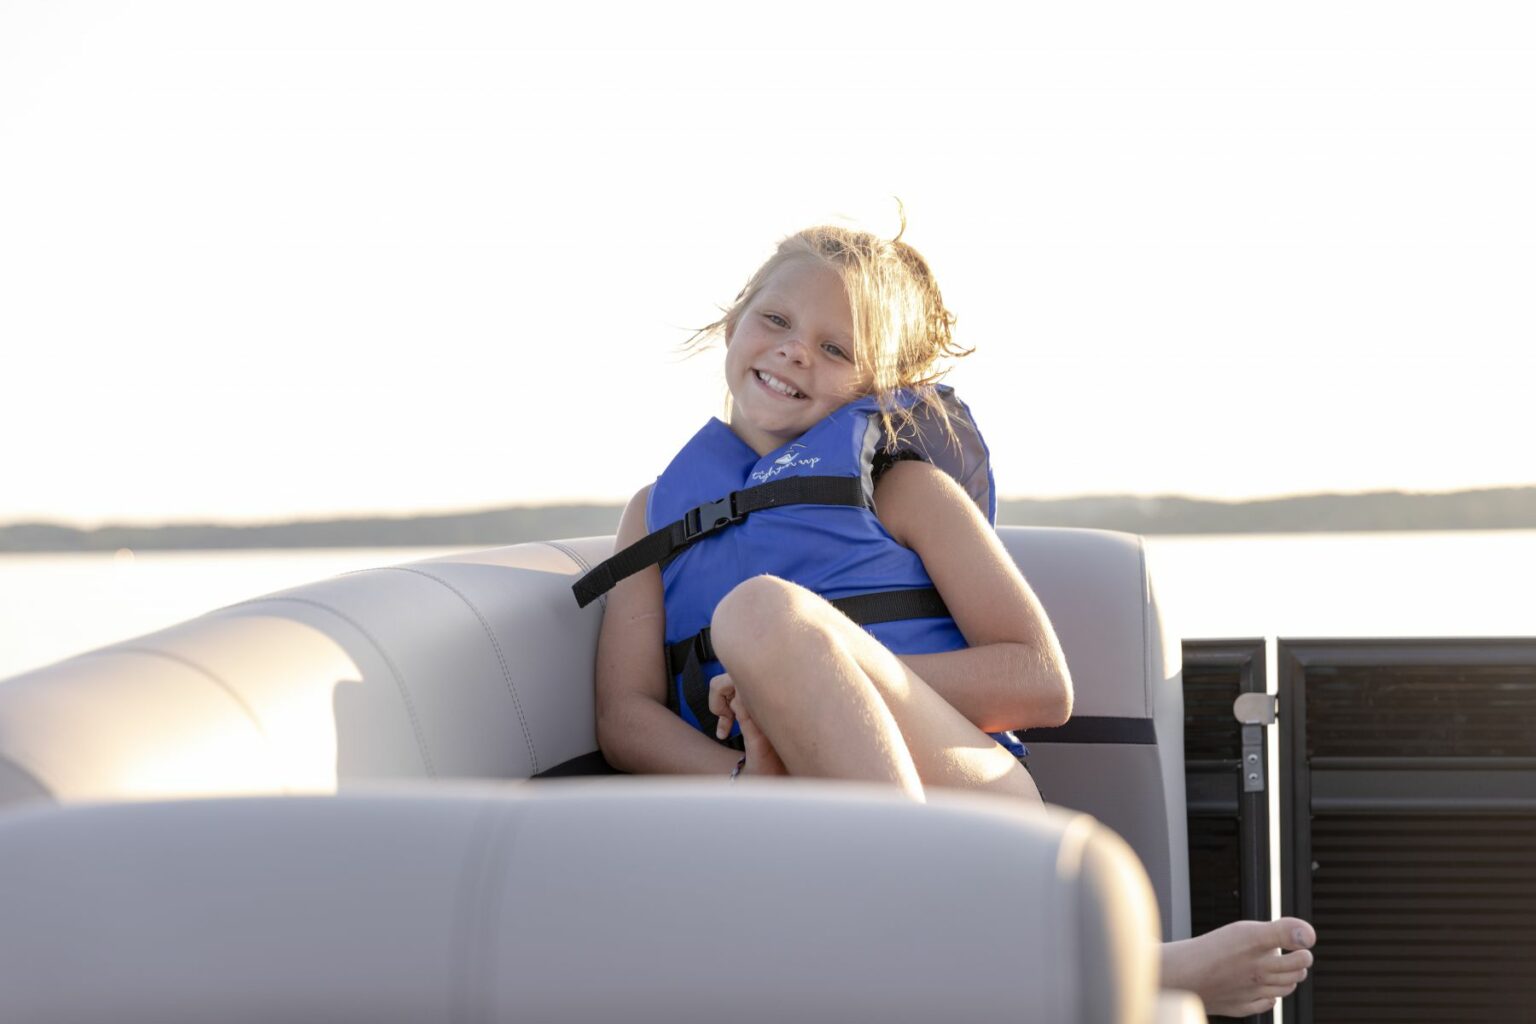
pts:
[710, 517]
[702, 648]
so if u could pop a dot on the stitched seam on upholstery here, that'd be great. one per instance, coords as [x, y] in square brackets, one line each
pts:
[570, 552]
[479, 912]
[506, 673]
[229, 691]
[26, 774]
[278, 766]
[461, 950]
[405, 693]
[584, 565]
[1146, 630]
[503, 864]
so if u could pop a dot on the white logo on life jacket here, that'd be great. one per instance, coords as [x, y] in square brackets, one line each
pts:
[789, 460]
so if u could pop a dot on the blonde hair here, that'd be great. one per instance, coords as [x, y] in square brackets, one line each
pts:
[903, 335]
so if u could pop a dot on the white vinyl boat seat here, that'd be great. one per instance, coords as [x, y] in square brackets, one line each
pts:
[479, 666]
[573, 902]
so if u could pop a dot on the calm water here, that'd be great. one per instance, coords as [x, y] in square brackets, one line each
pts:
[54, 606]
[1307, 585]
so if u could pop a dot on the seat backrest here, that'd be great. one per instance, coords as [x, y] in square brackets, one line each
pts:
[1121, 757]
[480, 666]
[641, 900]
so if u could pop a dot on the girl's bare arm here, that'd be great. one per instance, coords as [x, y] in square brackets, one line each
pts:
[635, 729]
[1014, 674]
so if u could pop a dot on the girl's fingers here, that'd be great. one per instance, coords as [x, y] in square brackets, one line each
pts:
[722, 692]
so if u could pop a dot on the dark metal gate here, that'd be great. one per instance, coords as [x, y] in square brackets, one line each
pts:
[1408, 827]
[1227, 777]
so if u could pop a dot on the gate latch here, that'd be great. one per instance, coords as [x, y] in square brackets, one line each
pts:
[1254, 711]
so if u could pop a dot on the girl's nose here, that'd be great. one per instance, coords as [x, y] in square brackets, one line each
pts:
[795, 351]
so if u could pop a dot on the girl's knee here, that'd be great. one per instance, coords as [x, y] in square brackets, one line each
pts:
[753, 620]
[746, 613]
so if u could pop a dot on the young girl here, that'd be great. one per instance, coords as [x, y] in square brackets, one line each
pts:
[848, 611]
[835, 317]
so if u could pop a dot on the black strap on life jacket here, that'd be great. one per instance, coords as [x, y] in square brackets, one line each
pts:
[659, 546]
[687, 657]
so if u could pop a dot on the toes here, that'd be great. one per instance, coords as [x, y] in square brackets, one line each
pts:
[1256, 936]
[1299, 960]
[1287, 977]
[1295, 933]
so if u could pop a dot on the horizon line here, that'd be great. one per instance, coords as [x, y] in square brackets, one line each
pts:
[88, 526]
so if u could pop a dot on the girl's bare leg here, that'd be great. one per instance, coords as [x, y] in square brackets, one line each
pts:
[1239, 969]
[837, 704]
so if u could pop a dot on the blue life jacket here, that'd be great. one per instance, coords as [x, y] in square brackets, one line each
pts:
[836, 549]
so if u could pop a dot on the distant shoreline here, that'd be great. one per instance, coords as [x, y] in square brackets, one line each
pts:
[1506, 508]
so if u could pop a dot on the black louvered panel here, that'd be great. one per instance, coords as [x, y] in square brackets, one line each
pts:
[1215, 894]
[1210, 731]
[1408, 811]
[1421, 711]
[1424, 918]
[1228, 826]
[1212, 746]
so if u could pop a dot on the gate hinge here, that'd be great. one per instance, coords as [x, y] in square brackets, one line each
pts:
[1256, 708]
[1254, 711]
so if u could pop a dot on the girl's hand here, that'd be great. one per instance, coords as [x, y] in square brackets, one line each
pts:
[722, 698]
[726, 702]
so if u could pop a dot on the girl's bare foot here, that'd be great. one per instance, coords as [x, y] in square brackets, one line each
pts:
[1239, 968]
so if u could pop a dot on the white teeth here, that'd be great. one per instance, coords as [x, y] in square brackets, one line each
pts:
[778, 385]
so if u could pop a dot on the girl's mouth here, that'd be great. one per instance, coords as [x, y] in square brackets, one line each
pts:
[777, 386]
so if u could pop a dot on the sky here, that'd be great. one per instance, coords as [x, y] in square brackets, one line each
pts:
[264, 261]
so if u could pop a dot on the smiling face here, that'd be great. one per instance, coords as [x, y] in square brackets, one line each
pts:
[789, 357]
[792, 332]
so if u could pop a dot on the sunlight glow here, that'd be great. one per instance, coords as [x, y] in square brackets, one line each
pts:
[302, 260]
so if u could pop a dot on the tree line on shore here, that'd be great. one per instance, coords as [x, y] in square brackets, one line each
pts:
[1490, 509]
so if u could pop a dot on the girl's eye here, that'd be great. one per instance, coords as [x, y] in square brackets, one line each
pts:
[776, 320]
[835, 351]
